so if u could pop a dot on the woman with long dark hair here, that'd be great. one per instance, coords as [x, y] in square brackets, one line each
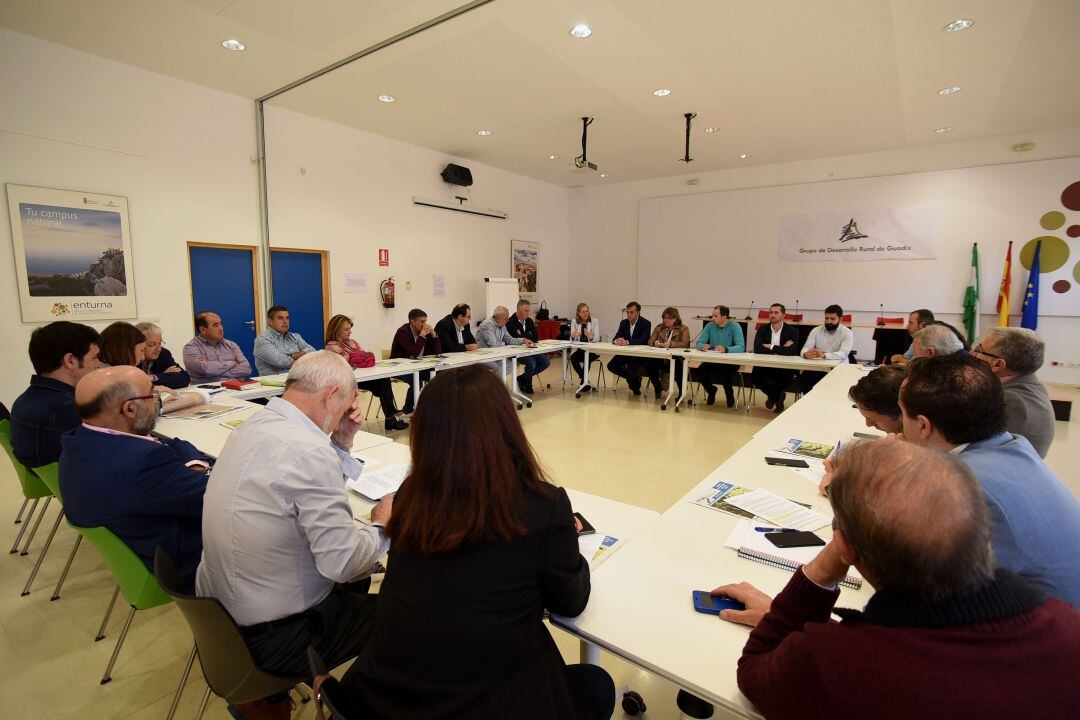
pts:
[480, 546]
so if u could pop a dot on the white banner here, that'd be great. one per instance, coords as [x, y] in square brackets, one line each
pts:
[890, 234]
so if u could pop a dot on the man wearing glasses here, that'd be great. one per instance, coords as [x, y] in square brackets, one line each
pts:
[114, 473]
[158, 362]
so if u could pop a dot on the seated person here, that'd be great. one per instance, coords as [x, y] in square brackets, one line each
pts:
[670, 333]
[775, 338]
[209, 356]
[415, 339]
[942, 626]
[1015, 355]
[633, 330]
[122, 344]
[61, 353]
[722, 335]
[936, 340]
[459, 630]
[959, 335]
[453, 330]
[520, 325]
[492, 333]
[339, 340]
[583, 328]
[276, 349]
[158, 362]
[114, 473]
[831, 341]
[278, 488]
[954, 403]
[877, 398]
[917, 320]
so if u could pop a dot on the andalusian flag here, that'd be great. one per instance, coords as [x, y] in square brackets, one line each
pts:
[1003, 292]
[971, 298]
[1030, 318]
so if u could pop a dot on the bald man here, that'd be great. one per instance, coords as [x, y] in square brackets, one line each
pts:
[113, 473]
[946, 634]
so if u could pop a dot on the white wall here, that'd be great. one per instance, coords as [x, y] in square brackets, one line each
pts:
[604, 219]
[340, 189]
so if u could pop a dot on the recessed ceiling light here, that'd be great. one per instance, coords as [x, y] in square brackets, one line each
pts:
[958, 25]
[580, 31]
[949, 90]
[553, 156]
[603, 175]
[387, 98]
[744, 156]
[942, 131]
[711, 130]
[662, 92]
[233, 44]
[483, 133]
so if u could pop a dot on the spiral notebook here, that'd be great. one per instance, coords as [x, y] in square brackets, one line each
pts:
[783, 563]
[753, 545]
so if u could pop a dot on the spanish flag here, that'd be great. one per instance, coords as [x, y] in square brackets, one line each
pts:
[1003, 293]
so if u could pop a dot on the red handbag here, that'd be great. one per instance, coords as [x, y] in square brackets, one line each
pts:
[361, 358]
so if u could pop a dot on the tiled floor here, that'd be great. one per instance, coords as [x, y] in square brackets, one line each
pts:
[607, 444]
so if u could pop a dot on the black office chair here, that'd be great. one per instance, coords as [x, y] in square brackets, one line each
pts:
[328, 690]
[226, 662]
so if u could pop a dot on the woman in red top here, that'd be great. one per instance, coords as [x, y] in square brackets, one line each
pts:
[339, 340]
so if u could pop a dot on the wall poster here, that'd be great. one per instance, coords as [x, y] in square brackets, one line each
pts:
[525, 264]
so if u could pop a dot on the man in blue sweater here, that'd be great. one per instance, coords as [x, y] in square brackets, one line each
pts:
[954, 403]
[722, 336]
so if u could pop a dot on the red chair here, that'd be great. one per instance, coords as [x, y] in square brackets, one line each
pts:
[548, 329]
[763, 317]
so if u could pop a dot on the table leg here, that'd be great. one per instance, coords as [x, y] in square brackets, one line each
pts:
[514, 392]
[416, 387]
[685, 384]
[671, 384]
[566, 366]
[590, 653]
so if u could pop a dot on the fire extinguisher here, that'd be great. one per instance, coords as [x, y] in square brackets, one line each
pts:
[386, 288]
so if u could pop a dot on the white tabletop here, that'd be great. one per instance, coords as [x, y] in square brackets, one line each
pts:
[641, 605]
[792, 362]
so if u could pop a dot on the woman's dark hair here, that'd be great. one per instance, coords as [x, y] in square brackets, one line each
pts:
[471, 467]
[958, 394]
[49, 344]
[879, 391]
[673, 313]
[118, 343]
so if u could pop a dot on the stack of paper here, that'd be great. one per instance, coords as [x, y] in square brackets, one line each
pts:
[374, 485]
[596, 548]
[779, 511]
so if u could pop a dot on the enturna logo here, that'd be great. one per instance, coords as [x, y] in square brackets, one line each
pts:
[92, 307]
[59, 309]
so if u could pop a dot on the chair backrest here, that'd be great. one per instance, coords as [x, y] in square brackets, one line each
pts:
[548, 329]
[139, 587]
[330, 692]
[50, 475]
[384, 353]
[845, 319]
[32, 487]
[226, 662]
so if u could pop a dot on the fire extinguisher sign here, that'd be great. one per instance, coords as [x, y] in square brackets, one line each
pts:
[384, 257]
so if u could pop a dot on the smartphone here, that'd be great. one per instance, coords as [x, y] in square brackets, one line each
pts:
[786, 462]
[866, 436]
[586, 526]
[706, 602]
[794, 539]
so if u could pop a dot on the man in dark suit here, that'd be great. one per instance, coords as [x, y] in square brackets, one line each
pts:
[520, 325]
[453, 330]
[113, 473]
[634, 330]
[776, 338]
[415, 339]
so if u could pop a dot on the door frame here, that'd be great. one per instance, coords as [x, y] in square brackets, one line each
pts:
[254, 284]
[324, 255]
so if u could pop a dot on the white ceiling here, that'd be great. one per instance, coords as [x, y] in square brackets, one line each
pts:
[782, 80]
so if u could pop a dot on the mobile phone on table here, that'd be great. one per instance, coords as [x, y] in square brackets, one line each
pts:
[794, 539]
[586, 526]
[706, 602]
[786, 462]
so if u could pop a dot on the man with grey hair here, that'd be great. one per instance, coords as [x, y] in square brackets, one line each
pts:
[114, 473]
[943, 622]
[936, 340]
[281, 550]
[492, 333]
[158, 362]
[1015, 355]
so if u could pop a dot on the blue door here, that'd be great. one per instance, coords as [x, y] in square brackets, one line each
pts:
[298, 285]
[223, 282]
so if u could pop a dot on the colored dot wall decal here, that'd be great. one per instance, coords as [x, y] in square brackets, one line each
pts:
[1054, 253]
[1062, 286]
[1073, 231]
[1076, 272]
[1070, 196]
[1052, 220]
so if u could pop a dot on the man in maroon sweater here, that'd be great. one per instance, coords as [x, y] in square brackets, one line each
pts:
[412, 340]
[945, 635]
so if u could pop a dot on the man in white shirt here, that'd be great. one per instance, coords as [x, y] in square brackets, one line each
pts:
[831, 341]
[280, 548]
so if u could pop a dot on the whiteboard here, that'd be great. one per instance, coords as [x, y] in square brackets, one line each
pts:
[721, 247]
[499, 291]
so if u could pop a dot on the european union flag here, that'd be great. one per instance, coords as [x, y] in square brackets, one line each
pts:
[1030, 320]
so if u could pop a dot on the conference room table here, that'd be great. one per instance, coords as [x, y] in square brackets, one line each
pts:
[641, 608]
[383, 369]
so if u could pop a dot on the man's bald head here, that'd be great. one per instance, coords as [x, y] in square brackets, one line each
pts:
[104, 392]
[916, 518]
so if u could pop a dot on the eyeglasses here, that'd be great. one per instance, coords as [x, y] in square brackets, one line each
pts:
[979, 349]
[154, 396]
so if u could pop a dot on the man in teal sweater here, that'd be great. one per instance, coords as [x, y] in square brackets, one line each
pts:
[721, 335]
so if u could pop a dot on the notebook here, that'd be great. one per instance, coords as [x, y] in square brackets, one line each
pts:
[754, 546]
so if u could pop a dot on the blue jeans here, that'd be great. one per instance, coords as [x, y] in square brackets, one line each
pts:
[533, 365]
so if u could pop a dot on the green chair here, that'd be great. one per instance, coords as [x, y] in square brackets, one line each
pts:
[32, 488]
[49, 474]
[140, 589]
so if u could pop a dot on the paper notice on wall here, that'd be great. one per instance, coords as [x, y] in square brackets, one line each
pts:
[356, 282]
[438, 285]
[909, 233]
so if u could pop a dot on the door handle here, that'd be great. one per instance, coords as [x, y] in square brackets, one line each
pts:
[250, 323]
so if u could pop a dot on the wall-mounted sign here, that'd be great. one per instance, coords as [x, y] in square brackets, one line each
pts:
[384, 257]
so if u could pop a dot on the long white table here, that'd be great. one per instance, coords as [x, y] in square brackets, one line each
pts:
[383, 369]
[641, 607]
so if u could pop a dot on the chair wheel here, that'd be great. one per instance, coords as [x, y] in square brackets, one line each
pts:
[632, 703]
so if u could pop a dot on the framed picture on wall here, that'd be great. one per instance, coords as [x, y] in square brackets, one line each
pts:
[72, 254]
[525, 266]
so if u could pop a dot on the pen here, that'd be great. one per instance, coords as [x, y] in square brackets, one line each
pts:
[771, 529]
